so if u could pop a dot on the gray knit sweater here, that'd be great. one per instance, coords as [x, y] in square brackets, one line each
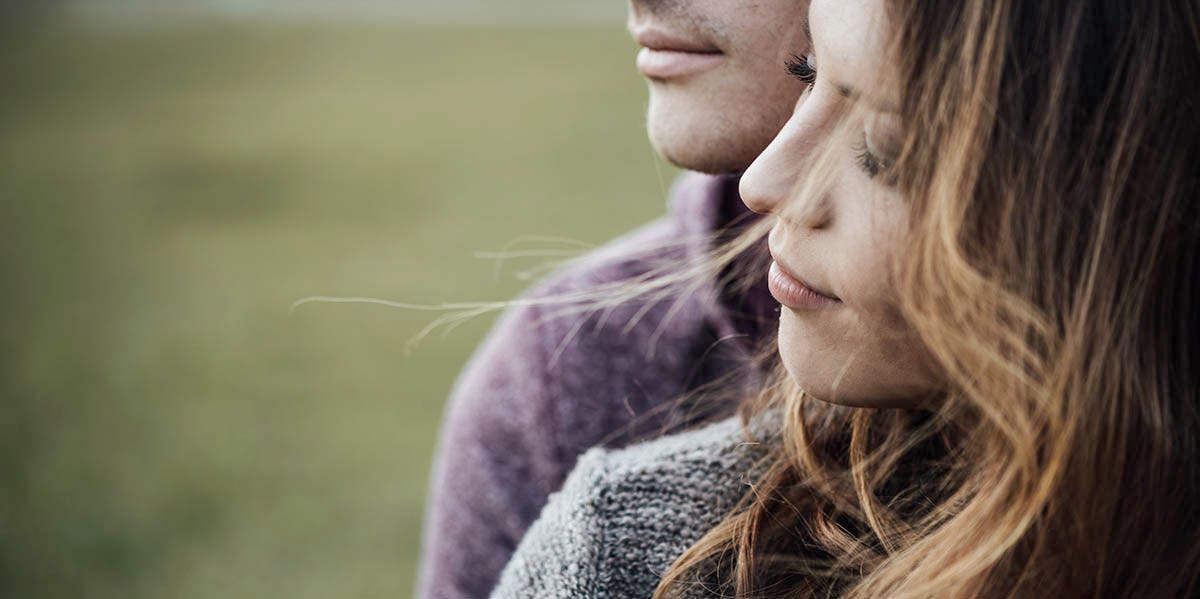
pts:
[623, 517]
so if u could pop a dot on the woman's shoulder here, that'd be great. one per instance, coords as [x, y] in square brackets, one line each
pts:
[624, 516]
[723, 450]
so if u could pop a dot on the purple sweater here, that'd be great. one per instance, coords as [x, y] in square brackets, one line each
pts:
[544, 387]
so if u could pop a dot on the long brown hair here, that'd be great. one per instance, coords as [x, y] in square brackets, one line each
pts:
[1052, 162]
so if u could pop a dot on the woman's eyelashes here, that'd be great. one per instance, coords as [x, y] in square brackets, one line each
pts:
[801, 67]
[871, 164]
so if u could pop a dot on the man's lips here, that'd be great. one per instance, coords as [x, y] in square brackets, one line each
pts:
[655, 38]
[667, 55]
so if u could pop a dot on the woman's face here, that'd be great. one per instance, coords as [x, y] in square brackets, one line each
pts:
[837, 236]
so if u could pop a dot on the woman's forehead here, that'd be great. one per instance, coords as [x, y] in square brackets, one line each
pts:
[851, 41]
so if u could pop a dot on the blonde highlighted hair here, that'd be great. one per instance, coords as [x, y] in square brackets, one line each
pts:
[1052, 165]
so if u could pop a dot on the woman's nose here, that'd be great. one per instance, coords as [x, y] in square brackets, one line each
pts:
[769, 179]
[773, 180]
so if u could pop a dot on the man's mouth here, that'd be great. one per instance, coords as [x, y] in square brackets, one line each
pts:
[667, 55]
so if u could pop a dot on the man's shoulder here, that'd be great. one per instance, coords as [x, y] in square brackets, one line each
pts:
[560, 373]
[695, 208]
[583, 332]
[581, 372]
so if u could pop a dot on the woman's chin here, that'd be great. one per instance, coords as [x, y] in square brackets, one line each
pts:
[832, 357]
[821, 376]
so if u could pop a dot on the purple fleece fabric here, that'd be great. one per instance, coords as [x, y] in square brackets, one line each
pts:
[544, 387]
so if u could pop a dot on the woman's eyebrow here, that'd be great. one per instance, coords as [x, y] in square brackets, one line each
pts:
[845, 90]
[855, 95]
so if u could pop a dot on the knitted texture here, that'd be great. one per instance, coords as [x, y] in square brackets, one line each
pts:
[624, 516]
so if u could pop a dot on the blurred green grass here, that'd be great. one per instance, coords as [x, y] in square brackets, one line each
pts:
[169, 428]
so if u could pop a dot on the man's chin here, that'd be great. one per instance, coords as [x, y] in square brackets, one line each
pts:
[702, 140]
[695, 151]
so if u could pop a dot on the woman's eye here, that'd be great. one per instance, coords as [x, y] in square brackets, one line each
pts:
[872, 165]
[801, 67]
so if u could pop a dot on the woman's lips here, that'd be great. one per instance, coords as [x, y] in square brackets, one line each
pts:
[669, 56]
[793, 293]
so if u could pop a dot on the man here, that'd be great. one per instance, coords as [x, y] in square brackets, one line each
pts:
[547, 384]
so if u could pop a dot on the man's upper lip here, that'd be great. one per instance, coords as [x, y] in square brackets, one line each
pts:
[655, 38]
[792, 273]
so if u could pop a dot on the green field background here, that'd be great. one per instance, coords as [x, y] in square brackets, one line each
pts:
[170, 428]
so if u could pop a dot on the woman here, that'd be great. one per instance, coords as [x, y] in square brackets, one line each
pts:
[988, 335]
